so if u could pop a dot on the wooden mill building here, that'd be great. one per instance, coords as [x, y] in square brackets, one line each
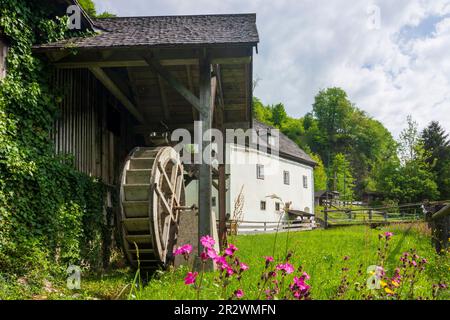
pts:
[137, 75]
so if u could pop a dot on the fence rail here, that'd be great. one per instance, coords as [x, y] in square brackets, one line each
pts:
[255, 227]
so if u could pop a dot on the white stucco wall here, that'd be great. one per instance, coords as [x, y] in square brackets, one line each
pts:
[257, 190]
[242, 170]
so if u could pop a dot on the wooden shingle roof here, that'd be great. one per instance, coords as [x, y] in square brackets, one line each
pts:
[166, 31]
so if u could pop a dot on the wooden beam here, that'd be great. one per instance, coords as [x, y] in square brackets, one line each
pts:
[445, 211]
[191, 88]
[116, 92]
[205, 170]
[213, 94]
[101, 63]
[158, 69]
[188, 126]
[222, 191]
[164, 104]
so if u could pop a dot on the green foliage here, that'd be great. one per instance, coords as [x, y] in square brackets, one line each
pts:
[50, 214]
[341, 177]
[320, 174]
[437, 144]
[89, 7]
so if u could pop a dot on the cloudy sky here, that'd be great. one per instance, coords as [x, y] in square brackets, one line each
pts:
[391, 56]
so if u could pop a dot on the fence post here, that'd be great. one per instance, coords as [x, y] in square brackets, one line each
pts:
[385, 216]
[325, 216]
[265, 226]
[370, 215]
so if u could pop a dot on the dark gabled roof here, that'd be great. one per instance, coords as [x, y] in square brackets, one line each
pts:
[163, 31]
[322, 193]
[288, 148]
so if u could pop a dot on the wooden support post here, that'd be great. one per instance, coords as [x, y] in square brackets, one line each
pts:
[438, 218]
[222, 206]
[370, 215]
[325, 216]
[205, 172]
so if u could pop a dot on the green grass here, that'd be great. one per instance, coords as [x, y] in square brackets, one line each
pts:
[321, 254]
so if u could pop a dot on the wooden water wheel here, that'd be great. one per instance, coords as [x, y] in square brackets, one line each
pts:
[152, 195]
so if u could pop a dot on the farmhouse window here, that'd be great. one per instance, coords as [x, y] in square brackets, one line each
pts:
[305, 182]
[260, 172]
[263, 205]
[286, 178]
[277, 206]
[3, 52]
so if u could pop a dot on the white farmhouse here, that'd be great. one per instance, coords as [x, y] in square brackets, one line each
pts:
[262, 175]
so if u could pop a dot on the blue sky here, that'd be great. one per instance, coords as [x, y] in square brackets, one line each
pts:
[393, 66]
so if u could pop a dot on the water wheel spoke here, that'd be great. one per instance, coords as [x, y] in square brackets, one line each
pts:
[166, 232]
[164, 201]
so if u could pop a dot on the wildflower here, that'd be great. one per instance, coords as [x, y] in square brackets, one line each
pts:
[212, 253]
[389, 291]
[287, 268]
[183, 250]
[306, 276]
[244, 267]
[229, 270]
[395, 283]
[204, 256]
[239, 293]
[190, 278]
[383, 284]
[208, 242]
[346, 258]
[388, 235]
[221, 261]
[230, 250]
[269, 259]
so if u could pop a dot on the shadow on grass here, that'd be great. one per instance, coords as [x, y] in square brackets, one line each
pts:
[396, 251]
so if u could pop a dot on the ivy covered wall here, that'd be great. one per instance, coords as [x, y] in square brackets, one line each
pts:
[50, 214]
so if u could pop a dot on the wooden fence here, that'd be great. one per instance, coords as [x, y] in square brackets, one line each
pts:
[257, 227]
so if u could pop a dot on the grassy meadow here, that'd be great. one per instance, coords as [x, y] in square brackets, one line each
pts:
[320, 252]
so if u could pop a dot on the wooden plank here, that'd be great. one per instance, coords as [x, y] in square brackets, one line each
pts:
[164, 104]
[174, 83]
[114, 89]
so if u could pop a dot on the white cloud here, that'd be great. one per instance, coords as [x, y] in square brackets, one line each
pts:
[310, 45]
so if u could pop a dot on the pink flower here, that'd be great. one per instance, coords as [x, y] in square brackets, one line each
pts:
[388, 235]
[221, 261]
[287, 268]
[269, 259]
[300, 283]
[306, 276]
[190, 278]
[230, 250]
[183, 250]
[204, 256]
[211, 253]
[239, 293]
[208, 242]
[229, 270]
[244, 267]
